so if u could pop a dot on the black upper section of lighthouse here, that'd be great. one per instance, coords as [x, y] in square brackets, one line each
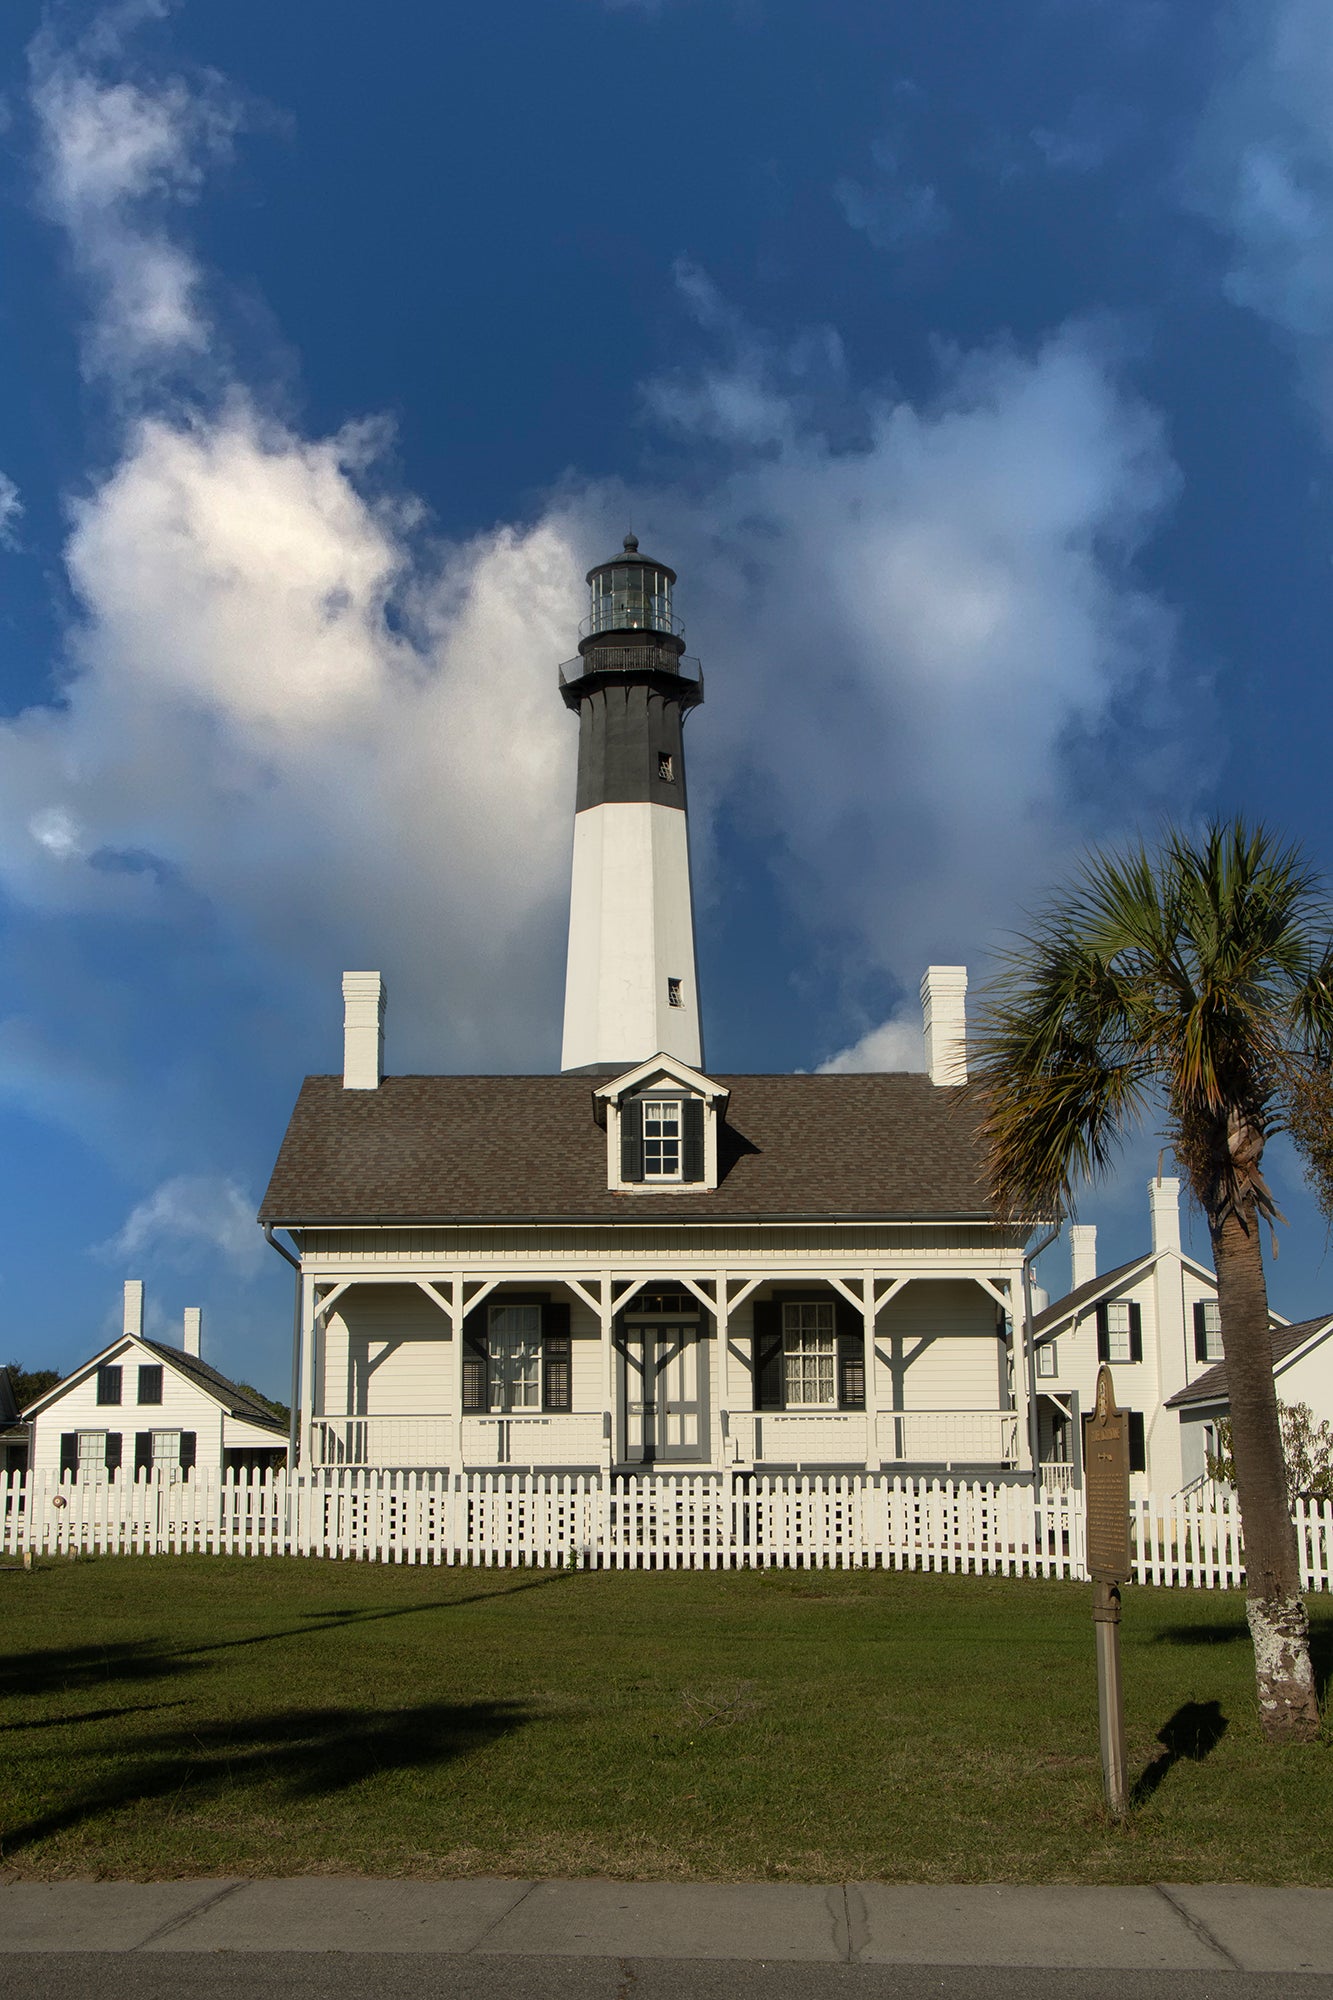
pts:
[631, 686]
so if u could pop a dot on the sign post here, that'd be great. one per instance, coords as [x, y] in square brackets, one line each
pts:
[1106, 1489]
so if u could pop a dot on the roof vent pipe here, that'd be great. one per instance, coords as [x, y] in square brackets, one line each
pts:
[363, 1030]
[132, 1322]
[944, 1013]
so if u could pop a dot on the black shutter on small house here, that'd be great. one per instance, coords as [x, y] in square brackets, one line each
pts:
[150, 1383]
[1201, 1329]
[769, 1385]
[189, 1440]
[111, 1457]
[556, 1357]
[69, 1453]
[143, 1452]
[631, 1139]
[1135, 1333]
[108, 1385]
[851, 1356]
[1138, 1455]
[1103, 1335]
[474, 1360]
[692, 1150]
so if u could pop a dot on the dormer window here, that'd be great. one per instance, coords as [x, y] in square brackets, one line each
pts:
[662, 1122]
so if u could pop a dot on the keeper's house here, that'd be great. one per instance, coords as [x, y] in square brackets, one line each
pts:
[142, 1408]
[635, 1263]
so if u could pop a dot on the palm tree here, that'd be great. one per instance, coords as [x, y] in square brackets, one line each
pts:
[1192, 981]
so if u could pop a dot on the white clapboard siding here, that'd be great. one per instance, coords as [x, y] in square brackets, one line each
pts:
[680, 1520]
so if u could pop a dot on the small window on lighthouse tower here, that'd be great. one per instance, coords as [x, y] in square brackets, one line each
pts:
[673, 993]
[666, 766]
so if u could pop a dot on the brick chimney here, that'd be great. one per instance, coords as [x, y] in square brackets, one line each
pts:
[944, 1011]
[132, 1320]
[363, 1030]
[1082, 1254]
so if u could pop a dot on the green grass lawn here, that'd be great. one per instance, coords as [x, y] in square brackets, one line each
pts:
[202, 1715]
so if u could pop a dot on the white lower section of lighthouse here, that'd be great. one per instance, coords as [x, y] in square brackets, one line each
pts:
[630, 988]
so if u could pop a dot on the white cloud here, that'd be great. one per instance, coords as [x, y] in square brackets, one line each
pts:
[187, 1214]
[911, 641]
[893, 211]
[896, 1044]
[1263, 173]
[11, 506]
[115, 156]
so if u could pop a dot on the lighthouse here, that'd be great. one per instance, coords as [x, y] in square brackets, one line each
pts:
[630, 985]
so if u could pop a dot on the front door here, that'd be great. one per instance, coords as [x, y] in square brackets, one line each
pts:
[664, 1414]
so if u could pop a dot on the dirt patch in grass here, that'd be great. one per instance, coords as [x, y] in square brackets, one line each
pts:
[192, 1716]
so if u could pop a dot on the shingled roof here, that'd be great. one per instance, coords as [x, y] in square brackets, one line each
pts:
[527, 1148]
[1212, 1387]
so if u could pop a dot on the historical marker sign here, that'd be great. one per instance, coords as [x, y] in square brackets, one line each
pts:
[1106, 1485]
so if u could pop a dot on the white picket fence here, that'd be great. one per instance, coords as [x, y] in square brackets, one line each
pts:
[673, 1521]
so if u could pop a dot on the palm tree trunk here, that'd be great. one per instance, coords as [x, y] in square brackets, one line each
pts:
[1288, 1706]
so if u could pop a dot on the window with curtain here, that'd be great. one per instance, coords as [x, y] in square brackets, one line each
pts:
[809, 1356]
[513, 1358]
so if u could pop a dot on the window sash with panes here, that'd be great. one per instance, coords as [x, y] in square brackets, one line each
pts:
[809, 1355]
[661, 1138]
[1207, 1331]
[514, 1358]
[1119, 1331]
[1047, 1359]
[167, 1453]
[91, 1455]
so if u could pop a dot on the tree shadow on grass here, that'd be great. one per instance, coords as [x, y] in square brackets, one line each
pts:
[303, 1753]
[1235, 1632]
[72, 1667]
[1193, 1732]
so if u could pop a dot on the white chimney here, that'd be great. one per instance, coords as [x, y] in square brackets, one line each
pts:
[1082, 1254]
[363, 1030]
[132, 1321]
[190, 1339]
[1164, 1197]
[944, 1008]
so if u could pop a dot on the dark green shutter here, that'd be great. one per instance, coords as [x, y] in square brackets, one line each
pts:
[1135, 1332]
[474, 1361]
[111, 1459]
[851, 1356]
[1200, 1330]
[556, 1358]
[692, 1151]
[1138, 1455]
[769, 1382]
[108, 1385]
[1103, 1335]
[189, 1440]
[69, 1453]
[143, 1452]
[150, 1384]
[631, 1139]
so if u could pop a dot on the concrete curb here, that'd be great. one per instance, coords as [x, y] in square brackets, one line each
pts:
[1151, 1927]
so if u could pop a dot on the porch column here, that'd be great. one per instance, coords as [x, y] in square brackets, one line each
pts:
[608, 1316]
[722, 1333]
[870, 1315]
[457, 1310]
[1019, 1346]
[307, 1368]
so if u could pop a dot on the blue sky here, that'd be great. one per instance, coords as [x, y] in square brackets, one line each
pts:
[972, 364]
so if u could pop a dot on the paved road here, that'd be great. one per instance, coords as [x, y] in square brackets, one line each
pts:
[441, 1976]
[349, 1937]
